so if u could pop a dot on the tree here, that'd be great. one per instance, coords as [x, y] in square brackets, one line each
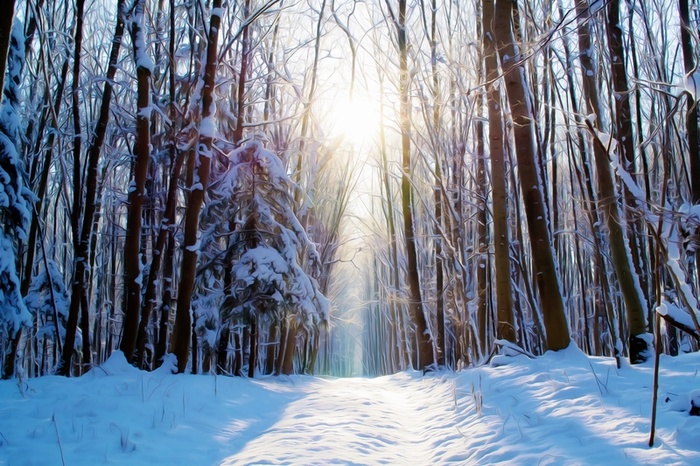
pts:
[133, 262]
[519, 99]
[608, 199]
[7, 13]
[269, 250]
[15, 205]
[198, 172]
[423, 353]
[501, 243]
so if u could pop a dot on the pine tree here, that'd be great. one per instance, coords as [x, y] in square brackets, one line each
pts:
[15, 201]
[268, 247]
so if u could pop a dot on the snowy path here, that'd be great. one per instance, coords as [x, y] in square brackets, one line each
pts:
[404, 419]
[561, 408]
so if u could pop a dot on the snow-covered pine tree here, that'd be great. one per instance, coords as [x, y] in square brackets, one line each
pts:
[259, 256]
[15, 199]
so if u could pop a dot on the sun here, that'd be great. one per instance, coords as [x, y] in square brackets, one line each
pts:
[356, 121]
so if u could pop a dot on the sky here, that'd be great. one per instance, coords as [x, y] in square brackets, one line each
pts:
[561, 408]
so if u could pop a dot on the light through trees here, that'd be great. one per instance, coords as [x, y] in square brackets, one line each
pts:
[463, 178]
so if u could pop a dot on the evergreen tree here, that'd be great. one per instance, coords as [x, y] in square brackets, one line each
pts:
[263, 267]
[15, 200]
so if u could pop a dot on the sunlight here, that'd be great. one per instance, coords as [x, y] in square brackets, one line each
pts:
[355, 121]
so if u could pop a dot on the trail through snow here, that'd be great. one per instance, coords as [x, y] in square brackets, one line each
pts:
[405, 419]
[562, 408]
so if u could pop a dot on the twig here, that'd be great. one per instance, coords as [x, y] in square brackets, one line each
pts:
[655, 389]
[60, 446]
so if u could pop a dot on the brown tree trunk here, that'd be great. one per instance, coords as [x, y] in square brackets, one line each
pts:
[626, 275]
[546, 273]
[504, 294]
[253, 357]
[273, 334]
[242, 77]
[289, 348]
[133, 263]
[625, 137]
[167, 224]
[424, 353]
[199, 164]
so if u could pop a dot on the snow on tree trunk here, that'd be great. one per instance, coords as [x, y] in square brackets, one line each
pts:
[199, 165]
[133, 262]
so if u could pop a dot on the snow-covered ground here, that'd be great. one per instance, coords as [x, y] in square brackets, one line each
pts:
[561, 409]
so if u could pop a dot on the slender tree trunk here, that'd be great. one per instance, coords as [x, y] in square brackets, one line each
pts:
[691, 116]
[501, 243]
[167, 223]
[133, 263]
[624, 134]
[437, 189]
[7, 14]
[80, 265]
[253, 357]
[626, 275]
[199, 165]
[424, 353]
[273, 334]
[290, 348]
[544, 263]
[242, 77]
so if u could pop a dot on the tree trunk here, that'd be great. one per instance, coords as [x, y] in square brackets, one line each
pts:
[273, 334]
[133, 263]
[290, 348]
[626, 275]
[544, 263]
[691, 116]
[7, 14]
[80, 264]
[253, 357]
[501, 243]
[625, 137]
[423, 355]
[199, 165]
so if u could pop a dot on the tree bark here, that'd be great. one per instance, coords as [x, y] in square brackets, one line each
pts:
[133, 263]
[691, 116]
[504, 293]
[424, 352]
[546, 272]
[80, 264]
[199, 164]
[7, 14]
[608, 199]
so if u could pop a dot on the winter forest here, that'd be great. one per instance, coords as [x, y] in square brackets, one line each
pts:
[469, 227]
[346, 187]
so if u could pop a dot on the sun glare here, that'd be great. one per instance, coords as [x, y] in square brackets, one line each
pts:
[356, 121]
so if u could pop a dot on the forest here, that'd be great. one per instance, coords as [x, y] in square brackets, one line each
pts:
[346, 187]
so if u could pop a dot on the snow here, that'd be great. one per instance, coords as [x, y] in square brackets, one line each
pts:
[207, 128]
[677, 314]
[561, 408]
[692, 84]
